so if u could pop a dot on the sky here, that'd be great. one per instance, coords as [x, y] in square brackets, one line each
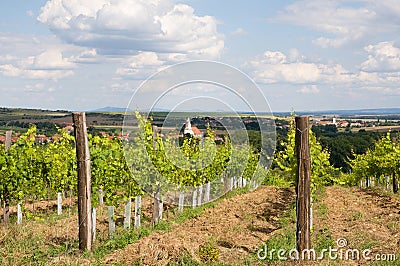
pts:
[304, 55]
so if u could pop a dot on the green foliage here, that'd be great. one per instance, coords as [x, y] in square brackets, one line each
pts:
[17, 167]
[208, 252]
[57, 164]
[343, 146]
[110, 171]
[191, 164]
[35, 170]
[322, 173]
[382, 160]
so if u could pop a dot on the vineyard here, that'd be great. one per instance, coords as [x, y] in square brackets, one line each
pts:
[39, 195]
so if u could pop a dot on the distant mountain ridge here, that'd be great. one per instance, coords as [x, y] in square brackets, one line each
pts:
[108, 109]
[372, 111]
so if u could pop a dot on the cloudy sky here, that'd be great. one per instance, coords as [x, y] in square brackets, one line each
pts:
[306, 55]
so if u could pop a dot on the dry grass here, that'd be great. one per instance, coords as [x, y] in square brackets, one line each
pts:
[236, 226]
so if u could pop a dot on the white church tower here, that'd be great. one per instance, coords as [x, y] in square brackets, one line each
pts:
[188, 128]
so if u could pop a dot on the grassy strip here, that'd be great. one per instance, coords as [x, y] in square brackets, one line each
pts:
[285, 239]
[126, 237]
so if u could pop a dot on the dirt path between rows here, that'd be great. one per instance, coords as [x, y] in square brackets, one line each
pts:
[367, 219]
[238, 226]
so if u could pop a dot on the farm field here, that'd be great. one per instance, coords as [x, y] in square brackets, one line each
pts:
[234, 227]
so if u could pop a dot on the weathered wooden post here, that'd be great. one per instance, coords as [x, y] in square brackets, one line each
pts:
[303, 184]
[84, 182]
[157, 207]
[6, 195]
[157, 198]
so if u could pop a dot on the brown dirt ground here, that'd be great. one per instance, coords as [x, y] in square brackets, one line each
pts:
[43, 205]
[366, 218]
[238, 225]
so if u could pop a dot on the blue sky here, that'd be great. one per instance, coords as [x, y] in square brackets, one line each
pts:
[306, 55]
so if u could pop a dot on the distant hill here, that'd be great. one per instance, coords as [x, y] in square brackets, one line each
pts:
[108, 109]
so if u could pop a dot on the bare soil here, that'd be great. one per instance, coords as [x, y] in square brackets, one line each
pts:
[367, 218]
[238, 226]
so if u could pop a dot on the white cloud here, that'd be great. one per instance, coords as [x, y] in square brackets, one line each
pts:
[6, 58]
[383, 57]
[38, 88]
[141, 65]
[88, 56]
[49, 64]
[12, 71]
[128, 26]
[343, 22]
[52, 59]
[36, 57]
[276, 67]
[379, 73]
[309, 89]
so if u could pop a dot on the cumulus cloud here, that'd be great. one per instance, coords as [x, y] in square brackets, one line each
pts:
[87, 56]
[141, 66]
[35, 57]
[343, 22]
[129, 26]
[380, 72]
[276, 67]
[50, 64]
[382, 57]
[52, 59]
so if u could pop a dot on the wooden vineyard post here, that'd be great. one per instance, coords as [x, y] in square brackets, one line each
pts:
[158, 207]
[6, 195]
[84, 182]
[303, 184]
